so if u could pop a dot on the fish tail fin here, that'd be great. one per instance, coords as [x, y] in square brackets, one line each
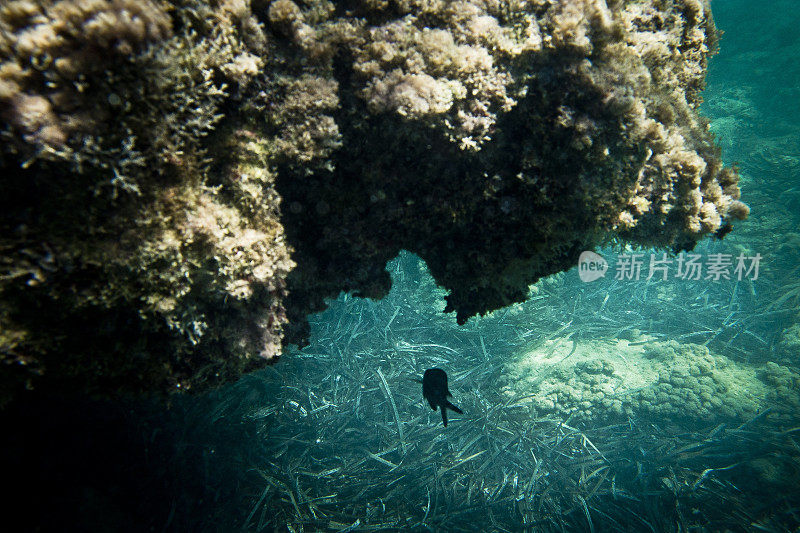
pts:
[453, 407]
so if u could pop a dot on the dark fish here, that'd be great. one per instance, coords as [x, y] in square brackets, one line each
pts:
[434, 389]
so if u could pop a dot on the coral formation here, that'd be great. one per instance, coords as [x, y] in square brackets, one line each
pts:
[696, 383]
[614, 380]
[199, 175]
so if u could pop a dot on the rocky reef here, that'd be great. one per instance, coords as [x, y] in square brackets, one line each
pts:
[616, 380]
[185, 181]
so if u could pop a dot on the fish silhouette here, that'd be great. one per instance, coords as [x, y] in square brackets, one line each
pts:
[434, 389]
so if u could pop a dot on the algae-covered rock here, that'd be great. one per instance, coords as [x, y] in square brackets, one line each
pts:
[184, 181]
[142, 243]
[613, 380]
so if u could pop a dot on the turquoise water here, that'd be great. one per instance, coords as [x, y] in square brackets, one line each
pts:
[611, 405]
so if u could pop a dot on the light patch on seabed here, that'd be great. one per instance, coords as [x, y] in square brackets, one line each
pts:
[618, 360]
[608, 378]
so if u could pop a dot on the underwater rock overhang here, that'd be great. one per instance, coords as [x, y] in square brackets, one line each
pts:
[321, 139]
[599, 138]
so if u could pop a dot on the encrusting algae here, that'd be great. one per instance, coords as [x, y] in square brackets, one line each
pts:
[184, 181]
